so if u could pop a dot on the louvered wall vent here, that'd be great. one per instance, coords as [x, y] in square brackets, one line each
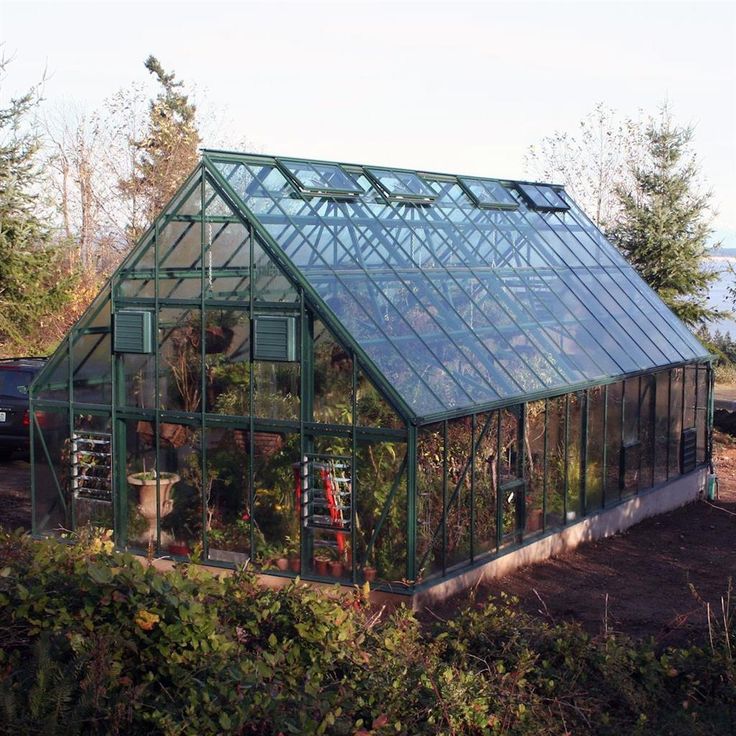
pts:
[688, 450]
[133, 331]
[274, 338]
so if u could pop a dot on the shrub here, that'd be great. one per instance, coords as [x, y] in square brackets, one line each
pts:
[94, 642]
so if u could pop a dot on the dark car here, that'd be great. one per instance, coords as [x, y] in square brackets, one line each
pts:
[16, 375]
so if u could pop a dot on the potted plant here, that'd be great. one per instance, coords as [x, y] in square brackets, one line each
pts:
[369, 572]
[146, 482]
[337, 568]
[292, 553]
[322, 561]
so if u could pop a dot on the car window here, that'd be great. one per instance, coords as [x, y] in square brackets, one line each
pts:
[14, 384]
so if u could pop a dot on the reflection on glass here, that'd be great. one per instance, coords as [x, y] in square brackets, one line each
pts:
[486, 483]
[534, 417]
[333, 379]
[430, 511]
[457, 533]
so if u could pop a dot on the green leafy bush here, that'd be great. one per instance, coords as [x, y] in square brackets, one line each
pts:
[94, 642]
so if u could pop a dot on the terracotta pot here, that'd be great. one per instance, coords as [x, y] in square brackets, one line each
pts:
[322, 566]
[282, 563]
[369, 573]
[534, 520]
[336, 568]
[180, 549]
[295, 564]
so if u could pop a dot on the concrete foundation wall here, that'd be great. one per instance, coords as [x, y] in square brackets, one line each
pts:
[656, 501]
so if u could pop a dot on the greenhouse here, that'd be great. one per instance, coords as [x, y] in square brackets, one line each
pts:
[363, 374]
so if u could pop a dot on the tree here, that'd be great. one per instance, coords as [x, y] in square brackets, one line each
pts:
[168, 151]
[36, 282]
[591, 162]
[665, 222]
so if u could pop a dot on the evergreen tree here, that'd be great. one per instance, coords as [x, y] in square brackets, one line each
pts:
[169, 150]
[664, 225]
[36, 283]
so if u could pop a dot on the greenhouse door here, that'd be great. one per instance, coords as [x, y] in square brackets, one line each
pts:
[511, 476]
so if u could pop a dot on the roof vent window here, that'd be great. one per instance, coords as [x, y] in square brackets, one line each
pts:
[489, 194]
[321, 178]
[543, 197]
[402, 185]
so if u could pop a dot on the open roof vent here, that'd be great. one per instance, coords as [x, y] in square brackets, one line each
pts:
[543, 197]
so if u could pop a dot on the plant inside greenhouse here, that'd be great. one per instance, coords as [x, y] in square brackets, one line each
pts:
[364, 374]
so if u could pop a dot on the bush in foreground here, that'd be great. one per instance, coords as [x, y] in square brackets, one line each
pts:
[94, 642]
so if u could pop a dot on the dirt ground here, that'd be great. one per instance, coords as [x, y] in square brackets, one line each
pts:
[652, 580]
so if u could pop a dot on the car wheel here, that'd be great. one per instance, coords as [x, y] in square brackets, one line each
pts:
[5, 454]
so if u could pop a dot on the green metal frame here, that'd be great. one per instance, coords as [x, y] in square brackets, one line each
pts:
[309, 306]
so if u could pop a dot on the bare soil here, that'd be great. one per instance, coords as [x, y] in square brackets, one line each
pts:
[653, 580]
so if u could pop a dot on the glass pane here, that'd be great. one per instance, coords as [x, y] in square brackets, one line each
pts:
[269, 283]
[53, 381]
[430, 485]
[276, 504]
[555, 474]
[459, 476]
[489, 193]
[372, 409]
[180, 246]
[701, 417]
[227, 362]
[534, 417]
[402, 184]
[661, 426]
[324, 177]
[52, 507]
[676, 406]
[185, 488]
[333, 379]
[139, 380]
[377, 467]
[613, 443]
[646, 431]
[92, 369]
[276, 390]
[574, 457]
[180, 359]
[227, 495]
[594, 469]
[486, 483]
[631, 452]
[542, 197]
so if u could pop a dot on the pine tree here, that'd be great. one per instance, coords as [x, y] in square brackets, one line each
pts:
[36, 282]
[169, 150]
[665, 222]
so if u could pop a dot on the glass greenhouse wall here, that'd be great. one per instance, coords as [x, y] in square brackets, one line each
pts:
[358, 373]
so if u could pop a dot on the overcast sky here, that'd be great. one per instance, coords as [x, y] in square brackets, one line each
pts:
[447, 86]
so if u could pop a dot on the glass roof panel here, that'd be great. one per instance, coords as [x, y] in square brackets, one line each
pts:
[488, 193]
[461, 307]
[402, 184]
[320, 177]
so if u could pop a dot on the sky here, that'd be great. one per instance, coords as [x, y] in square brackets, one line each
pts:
[463, 87]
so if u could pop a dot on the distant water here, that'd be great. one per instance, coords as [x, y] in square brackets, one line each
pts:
[719, 292]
